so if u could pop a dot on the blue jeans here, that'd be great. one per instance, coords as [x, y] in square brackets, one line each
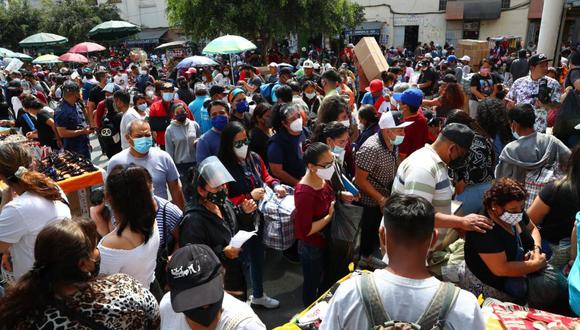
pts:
[313, 261]
[253, 258]
[472, 197]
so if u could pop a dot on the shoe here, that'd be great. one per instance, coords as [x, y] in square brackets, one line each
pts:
[265, 301]
[372, 263]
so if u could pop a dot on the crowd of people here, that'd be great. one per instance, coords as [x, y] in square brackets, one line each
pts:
[419, 162]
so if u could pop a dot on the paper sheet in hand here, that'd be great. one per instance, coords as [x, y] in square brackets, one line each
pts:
[14, 65]
[241, 237]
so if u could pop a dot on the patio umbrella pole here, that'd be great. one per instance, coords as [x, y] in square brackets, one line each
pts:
[232, 69]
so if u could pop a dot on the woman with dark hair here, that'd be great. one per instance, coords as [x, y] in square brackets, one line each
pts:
[140, 105]
[31, 201]
[493, 119]
[555, 208]
[184, 93]
[498, 261]
[451, 96]
[132, 247]
[250, 175]
[285, 147]
[44, 128]
[482, 86]
[63, 290]
[261, 130]
[213, 221]
[474, 178]
[314, 200]
[368, 124]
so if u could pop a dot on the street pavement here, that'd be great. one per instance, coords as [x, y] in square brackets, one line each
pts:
[282, 279]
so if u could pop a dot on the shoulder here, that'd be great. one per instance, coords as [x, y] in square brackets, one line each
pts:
[169, 207]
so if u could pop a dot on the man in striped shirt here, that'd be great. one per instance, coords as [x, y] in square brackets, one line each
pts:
[425, 173]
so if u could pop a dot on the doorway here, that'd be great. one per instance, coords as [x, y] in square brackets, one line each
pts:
[411, 36]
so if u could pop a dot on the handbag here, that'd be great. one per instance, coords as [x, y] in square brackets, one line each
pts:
[346, 222]
[278, 221]
[163, 254]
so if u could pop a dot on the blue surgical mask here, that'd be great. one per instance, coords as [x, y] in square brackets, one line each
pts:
[167, 97]
[398, 140]
[516, 135]
[143, 144]
[219, 122]
[242, 106]
[142, 107]
[337, 150]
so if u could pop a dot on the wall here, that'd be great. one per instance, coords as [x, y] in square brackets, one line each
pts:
[146, 13]
[513, 22]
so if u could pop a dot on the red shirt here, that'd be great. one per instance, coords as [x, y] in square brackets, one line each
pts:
[415, 135]
[100, 112]
[158, 109]
[311, 205]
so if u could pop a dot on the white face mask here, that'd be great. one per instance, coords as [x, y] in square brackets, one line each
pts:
[241, 152]
[310, 96]
[150, 93]
[361, 127]
[325, 173]
[345, 122]
[296, 125]
[511, 219]
[226, 73]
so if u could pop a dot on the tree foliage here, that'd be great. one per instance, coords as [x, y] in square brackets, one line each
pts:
[262, 18]
[17, 21]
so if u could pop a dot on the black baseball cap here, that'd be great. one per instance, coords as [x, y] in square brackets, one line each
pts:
[70, 86]
[459, 134]
[449, 78]
[537, 59]
[195, 279]
[217, 89]
[331, 75]
[285, 70]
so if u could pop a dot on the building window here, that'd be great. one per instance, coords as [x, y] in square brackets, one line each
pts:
[442, 4]
[505, 4]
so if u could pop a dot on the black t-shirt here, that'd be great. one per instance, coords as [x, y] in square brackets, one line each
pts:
[45, 132]
[484, 85]
[572, 76]
[259, 143]
[23, 123]
[495, 240]
[428, 75]
[559, 221]
[96, 94]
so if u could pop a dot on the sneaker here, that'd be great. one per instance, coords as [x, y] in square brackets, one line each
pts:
[265, 302]
[372, 263]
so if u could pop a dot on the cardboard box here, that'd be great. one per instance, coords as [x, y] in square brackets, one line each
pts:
[371, 58]
[80, 202]
[476, 49]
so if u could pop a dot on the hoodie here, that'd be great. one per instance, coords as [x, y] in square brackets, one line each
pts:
[180, 141]
[529, 153]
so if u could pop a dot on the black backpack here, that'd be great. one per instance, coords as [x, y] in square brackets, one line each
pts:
[110, 131]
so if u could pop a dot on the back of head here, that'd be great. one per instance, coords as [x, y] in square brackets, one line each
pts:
[409, 219]
[284, 93]
[331, 108]
[575, 59]
[122, 96]
[459, 116]
[523, 114]
[368, 113]
[295, 86]
[522, 53]
[314, 152]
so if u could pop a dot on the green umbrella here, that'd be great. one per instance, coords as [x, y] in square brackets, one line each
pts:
[112, 30]
[228, 44]
[21, 56]
[43, 39]
[46, 59]
[6, 52]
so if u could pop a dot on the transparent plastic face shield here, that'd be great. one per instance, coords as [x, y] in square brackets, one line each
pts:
[214, 172]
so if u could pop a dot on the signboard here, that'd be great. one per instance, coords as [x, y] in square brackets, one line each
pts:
[14, 65]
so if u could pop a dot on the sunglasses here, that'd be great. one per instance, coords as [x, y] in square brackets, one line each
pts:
[241, 143]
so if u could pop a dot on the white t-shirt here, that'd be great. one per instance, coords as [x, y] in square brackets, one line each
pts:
[138, 263]
[121, 81]
[20, 222]
[171, 320]
[404, 299]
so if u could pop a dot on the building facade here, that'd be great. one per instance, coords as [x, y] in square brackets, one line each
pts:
[145, 13]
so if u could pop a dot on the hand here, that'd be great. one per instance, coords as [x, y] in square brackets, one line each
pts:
[476, 222]
[87, 131]
[6, 262]
[281, 192]
[331, 211]
[538, 260]
[346, 197]
[249, 206]
[59, 143]
[382, 203]
[231, 252]
[258, 194]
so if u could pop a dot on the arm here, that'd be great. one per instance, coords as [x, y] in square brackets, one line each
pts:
[475, 92]
[535, 233]
[320, 224]
[278, 172]
[50, 122]
[432, 103]
[499, 266]
[266, 177]
[538, 211]
[67, 133]
[176, 193]
[169, 143]
[366, 187]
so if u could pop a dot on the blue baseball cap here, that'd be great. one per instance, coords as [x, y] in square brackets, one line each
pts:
[412, 97]
[451, 58]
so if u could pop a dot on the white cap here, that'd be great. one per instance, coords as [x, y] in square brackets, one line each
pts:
[436, 59]
[350, 45]
[327, 66]
[465, 58]
[316, 66]
[428, 55]
[109, 88]
[388, 120]
[308, 64]
[273, 65]
[214, 172]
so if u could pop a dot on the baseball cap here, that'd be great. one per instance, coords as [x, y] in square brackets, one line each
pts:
[350, 45]
[375, 86]
[70, 86]
[316, 66]
[466, 58]
[308, 64]
[412, 97]
[109, 88]
[285, 70]
[537, 59]
[451, 58]
[273, 65]
[459, 134]
[428, 55]
[191, 70]
[393, 119]
[214, 172]
[217, 89]
[195, 280]
[331, 75]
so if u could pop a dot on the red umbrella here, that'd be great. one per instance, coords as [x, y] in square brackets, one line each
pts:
[86, 47]
[72, 57]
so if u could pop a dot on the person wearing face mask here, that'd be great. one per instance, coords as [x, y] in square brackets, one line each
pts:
[71, 122]
[251, 175]
[376, 163]
[158, 162]
[425, 173]
[407, 232]
[427, 79]
[409, 103]
[500, 259]
[160, 114]
[482, 86]
[137, 111]
[311, 98]
[374, 96]
[197, 108]
[209, 143]
[239, 107]
[180, 143]
[261, 130]
[223, 78]
[97, 94]
[368, 124]
[314, 200]
[214, 220]
[61, 286]
[150, 95]
[285, 146]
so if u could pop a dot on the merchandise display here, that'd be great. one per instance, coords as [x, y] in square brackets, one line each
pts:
[64, 165]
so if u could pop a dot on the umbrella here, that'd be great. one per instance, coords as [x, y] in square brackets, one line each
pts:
[46, 59]
[172, 44]
[42, 39]
[86, 47]
[6, 52]
[21, 56]
[73, 57]
[195, 61]
[112, 30]
[229, 44]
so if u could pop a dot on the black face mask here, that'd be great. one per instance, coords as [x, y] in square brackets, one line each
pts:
[205, 316]
[458, 162]
[218, 198]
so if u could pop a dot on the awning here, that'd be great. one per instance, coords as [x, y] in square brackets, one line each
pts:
[481, 9]
[366, 29]
[147, 36]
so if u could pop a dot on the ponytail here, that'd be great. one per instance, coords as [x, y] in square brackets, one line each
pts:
[41, 185]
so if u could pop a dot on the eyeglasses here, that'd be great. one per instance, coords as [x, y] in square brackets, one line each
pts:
[241, 143]
[327, 166]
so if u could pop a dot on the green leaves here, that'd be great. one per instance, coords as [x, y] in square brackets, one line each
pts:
[18, 21]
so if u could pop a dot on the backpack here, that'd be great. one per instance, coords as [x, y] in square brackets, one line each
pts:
[266, 91]
[433, 318]
[536, 180]
[141, 82]
[110, 132]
